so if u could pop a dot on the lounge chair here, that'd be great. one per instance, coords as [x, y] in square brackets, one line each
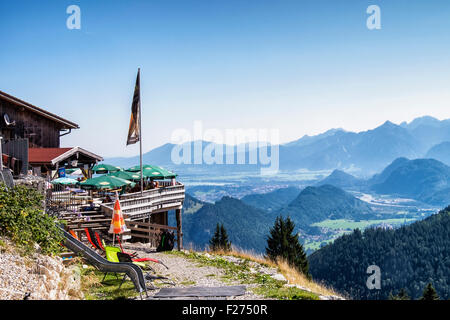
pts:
[112, 255]
[95, 241]
[99, 244]
[102, 264]
[73, 234]
[91, 238]
[134, 255]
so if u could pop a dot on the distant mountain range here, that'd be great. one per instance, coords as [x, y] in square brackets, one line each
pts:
[425, 180]
[368, 151]
[408, 258]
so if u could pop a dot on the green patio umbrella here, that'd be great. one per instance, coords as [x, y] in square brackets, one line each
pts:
[105, 168]
[132, 176]
[158, 173]
[105, 182]
[64, 181]
[138, 168]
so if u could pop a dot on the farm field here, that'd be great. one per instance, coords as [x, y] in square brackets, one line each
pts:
[344, 224]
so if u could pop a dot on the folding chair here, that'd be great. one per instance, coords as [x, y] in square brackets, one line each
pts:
[112, 255]
[134, 255]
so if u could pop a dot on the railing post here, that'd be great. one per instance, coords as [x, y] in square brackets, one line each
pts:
[179, 229]
[150, 240]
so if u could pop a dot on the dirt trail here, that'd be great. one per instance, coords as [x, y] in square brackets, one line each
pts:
[184, 272]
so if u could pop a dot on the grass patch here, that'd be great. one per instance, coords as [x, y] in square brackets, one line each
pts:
[351, 225]
[94, 289]
[285, 293]
[3, 246]
[188, 283]
[193, 209]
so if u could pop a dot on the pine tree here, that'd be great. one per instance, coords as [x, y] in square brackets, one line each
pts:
[225, 244]
[429, 293]
[214, 243]
[402, 295]
[283, 243]
[220, 241]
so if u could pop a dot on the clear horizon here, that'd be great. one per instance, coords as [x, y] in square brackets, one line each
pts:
[302, 67]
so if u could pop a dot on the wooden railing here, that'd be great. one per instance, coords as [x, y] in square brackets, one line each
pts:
[137, 206]
[149, 231]
[61, 200]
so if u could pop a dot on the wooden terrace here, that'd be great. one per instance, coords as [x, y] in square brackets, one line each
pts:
[146, 214]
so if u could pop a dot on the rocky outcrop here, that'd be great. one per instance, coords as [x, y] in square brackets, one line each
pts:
[36, 277]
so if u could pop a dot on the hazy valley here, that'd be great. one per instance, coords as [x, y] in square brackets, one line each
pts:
[329, 185]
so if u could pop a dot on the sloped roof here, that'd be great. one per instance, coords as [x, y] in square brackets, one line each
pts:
[65, 123]
[54, 155]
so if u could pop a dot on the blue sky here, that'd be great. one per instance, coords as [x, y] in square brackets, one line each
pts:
[302, 67]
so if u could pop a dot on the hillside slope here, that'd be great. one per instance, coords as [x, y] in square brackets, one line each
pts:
[383, 175]
[246, 226]
[440, 152]
[272, 201]
[316, 204]
[426, 180]
[408, 257]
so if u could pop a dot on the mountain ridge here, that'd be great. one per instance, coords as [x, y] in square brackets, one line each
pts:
[315, 204]
[369, 151]
[341, 179]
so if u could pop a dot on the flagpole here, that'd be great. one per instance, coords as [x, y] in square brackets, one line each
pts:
[140, 132]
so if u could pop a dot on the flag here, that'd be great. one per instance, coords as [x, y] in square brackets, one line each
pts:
[134, 129]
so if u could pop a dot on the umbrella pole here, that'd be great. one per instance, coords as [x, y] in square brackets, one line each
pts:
[114, 235]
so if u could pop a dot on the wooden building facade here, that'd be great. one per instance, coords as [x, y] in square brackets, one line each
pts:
[24, 126]
[20, 119]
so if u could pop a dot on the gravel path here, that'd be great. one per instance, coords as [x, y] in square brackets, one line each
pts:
[184, 272]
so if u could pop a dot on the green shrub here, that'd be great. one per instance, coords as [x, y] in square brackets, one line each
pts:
[23, 220]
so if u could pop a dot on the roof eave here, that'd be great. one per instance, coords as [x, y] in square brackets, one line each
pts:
[67, 124]
[73, 151]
